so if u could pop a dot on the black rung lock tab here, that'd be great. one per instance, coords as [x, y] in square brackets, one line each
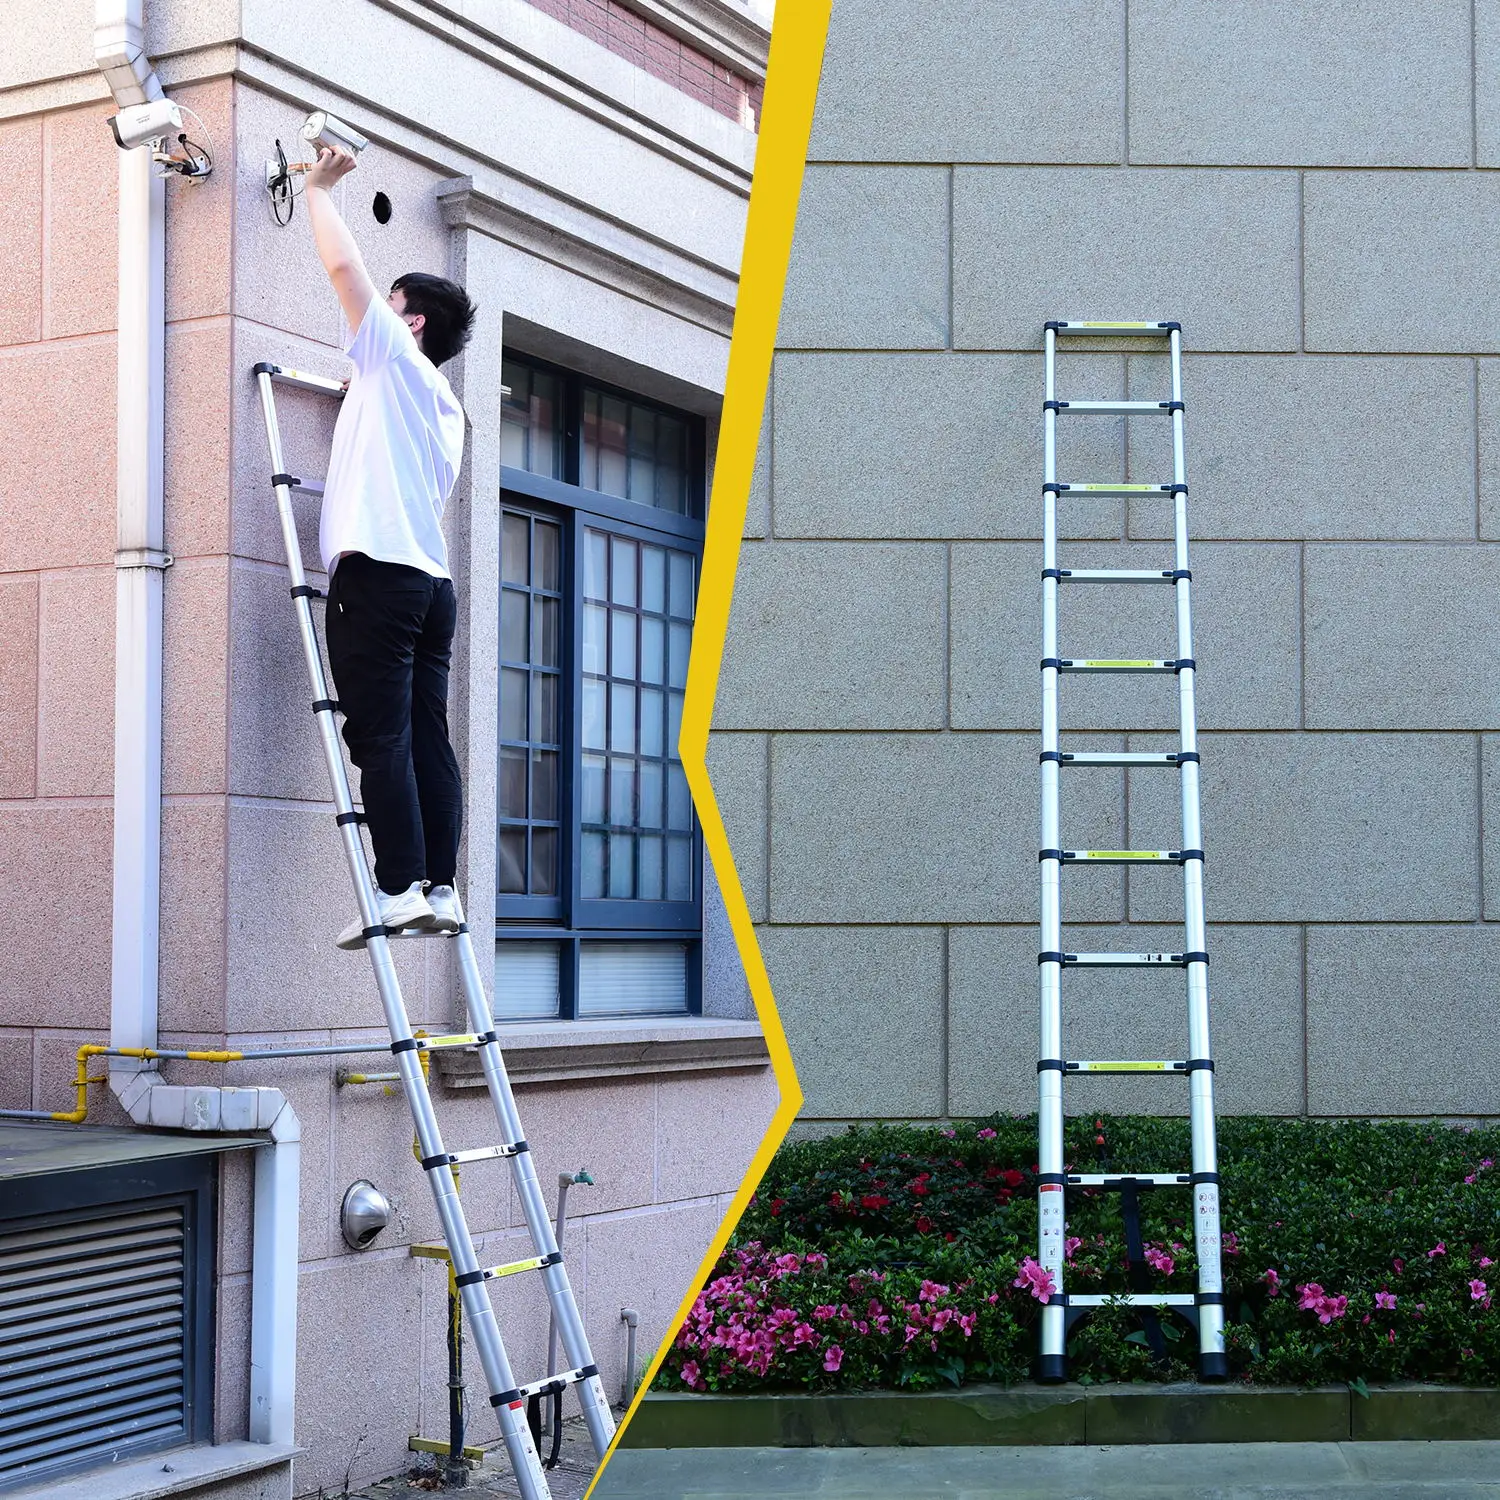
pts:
[1053, 405]
[411, 1044]
[1195, 958]
[1184, 661]
[555, 1259]
[1179, 573]
[306, 591]
[588, 1372]
[442, 1159]
[1057, 572]
[1210, 1299]
[518, 1149]
[1179, 489]
[1052, 661]
[1051, 755]
[1174, 406]
[469, 1278]
[1055, 325]
[1051, 488]
[265, 367]
[1200, 1065]
[1184, 756]
[291, 480]
[344, 819]
[1050, 854]
[331, 705]
[511, 1397]
[463, 926]
[1052, 958]
[374, 932]
[485, 1038]
[1051, 1065]
[1184, 855]
[1198, 1177]
[1171, 327]
[1051, 1179]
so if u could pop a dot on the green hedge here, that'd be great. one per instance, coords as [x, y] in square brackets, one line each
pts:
[891, 1257]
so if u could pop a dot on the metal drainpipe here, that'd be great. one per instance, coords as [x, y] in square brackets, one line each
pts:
[140, 560]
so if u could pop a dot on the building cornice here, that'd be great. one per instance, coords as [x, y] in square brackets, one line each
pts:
[590, 245]
[720, 29]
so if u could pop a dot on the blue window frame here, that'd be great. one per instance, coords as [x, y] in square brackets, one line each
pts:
[599, 902]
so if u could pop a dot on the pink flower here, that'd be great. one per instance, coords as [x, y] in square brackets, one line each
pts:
[1231, 1244]
[1309, 1296]
[1399, 1264]
[931, 1291]
[692, 1376]
[1438, 1249]
[1484, 1261]
[949, 1134]
[1036, 1279]
[1390, 1335]
[1470, 1178]
[1273, 1281]
[985, 1135]
[833, 1359]
[1159, 1260]
[1069, 1246]
[1386, 1300]
[1314, 1299]
[1365, 1319]
[1476, 1290]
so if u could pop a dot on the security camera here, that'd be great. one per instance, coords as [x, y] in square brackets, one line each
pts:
[321, 129]
[141, 123]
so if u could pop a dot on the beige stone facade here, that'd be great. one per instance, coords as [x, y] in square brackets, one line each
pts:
[595, 213]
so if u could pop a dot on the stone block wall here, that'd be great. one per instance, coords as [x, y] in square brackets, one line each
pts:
[1313, 195]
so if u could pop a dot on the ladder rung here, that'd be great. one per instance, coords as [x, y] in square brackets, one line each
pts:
[1124, 960]
[1115, 664]
[1131, 1299]
[1109, 327]
[1117, 489]
[1115, 408]
[1125, 856]
[458, 1039]
[1126, 1067]
[482, 1153]
[285, 375]
[1116, 575]
[1124, 1179]
[1120, 758]
[559, 1382]
[513, 1268]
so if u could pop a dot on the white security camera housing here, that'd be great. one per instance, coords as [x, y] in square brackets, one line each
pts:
[322, 129]
[143, 123]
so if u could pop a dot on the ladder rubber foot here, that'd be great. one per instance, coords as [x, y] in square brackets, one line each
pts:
[1052, 1369]
[1214, 1367]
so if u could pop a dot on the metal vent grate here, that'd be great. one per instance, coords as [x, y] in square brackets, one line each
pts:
[94, 1310]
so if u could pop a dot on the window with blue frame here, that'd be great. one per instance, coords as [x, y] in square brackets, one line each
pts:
[599, 902]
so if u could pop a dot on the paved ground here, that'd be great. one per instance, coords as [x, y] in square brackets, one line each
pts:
[1219, 1471]
[568, 1481]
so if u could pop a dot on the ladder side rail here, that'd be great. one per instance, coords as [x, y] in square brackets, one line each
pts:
[1206, 1221]
[591, 1395]
[476, 1303]
[1051, 1195]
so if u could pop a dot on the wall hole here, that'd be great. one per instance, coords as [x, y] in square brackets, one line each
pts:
[382, 209]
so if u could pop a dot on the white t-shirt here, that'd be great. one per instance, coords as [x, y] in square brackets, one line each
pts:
[397, 447]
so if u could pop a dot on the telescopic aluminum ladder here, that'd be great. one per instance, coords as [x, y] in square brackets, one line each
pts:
[1206, 1306]
[508, 1397]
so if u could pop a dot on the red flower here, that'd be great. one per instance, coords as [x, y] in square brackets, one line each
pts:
[1013, 1178]
[873, 1201]
[924, 1225]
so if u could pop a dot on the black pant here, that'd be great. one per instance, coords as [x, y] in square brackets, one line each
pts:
[390, 640]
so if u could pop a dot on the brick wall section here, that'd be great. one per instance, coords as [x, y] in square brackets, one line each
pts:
[631, 36]
[1319, 217]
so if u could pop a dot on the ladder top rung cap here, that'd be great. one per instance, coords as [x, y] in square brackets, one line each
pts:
[1112, 325]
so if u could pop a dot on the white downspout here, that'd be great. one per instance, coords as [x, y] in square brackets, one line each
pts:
[140, 561]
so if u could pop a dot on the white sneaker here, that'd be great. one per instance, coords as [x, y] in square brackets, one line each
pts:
[409, 908]
[447, 914]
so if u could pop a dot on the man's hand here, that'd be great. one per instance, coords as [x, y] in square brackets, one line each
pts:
[333, 163]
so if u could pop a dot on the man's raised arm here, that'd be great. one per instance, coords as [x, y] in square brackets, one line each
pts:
[336, 247]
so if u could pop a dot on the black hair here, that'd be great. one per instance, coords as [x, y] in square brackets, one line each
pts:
[446, 307]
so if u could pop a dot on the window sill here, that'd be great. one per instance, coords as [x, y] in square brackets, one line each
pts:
[618, 1047]
[155, 1475]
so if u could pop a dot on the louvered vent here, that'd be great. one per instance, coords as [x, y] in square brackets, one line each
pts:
[93, 1324]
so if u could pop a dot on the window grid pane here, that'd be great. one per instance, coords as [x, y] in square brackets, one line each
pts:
[634, 451]
[531, 425]
[637, 814]
[530, 815]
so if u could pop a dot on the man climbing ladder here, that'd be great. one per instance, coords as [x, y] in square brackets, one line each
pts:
[397, 447]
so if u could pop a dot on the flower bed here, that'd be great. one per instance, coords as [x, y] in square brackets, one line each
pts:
[903, 1257]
